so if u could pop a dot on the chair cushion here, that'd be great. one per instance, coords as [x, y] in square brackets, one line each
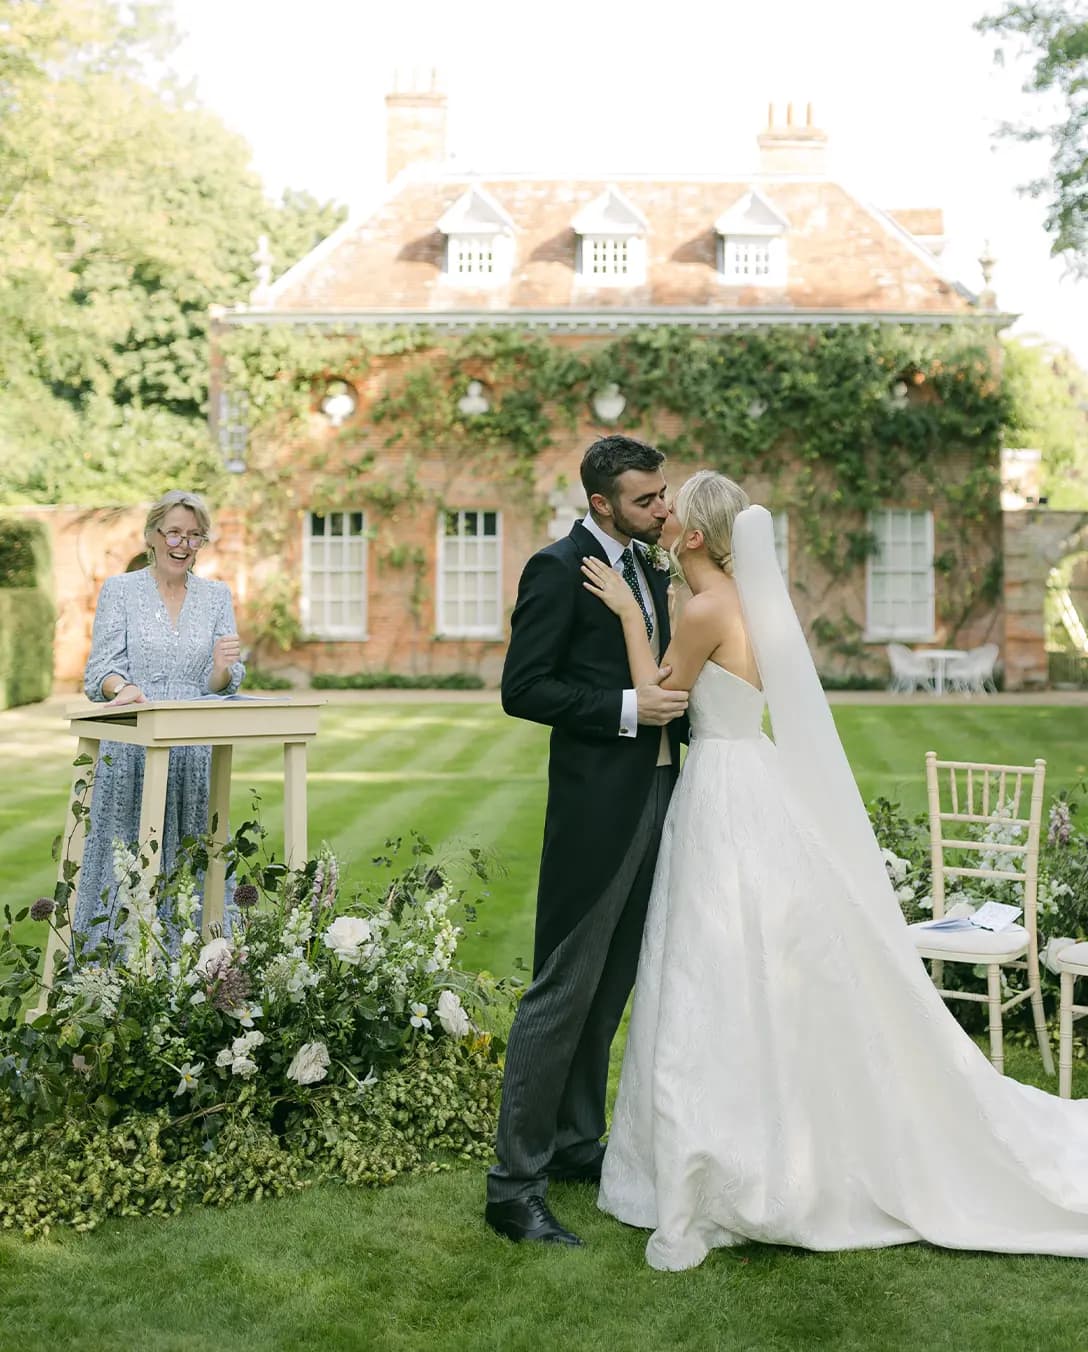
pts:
[1074, 957]
[970, 945]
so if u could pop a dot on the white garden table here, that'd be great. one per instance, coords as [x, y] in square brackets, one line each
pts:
[221, 724]
[938, 659]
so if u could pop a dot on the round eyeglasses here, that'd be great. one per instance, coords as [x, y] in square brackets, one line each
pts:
[176, 538]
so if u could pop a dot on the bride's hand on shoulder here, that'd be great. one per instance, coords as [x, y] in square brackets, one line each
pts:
[606, 583]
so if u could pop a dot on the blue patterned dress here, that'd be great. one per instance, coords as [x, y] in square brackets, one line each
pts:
[134, 637]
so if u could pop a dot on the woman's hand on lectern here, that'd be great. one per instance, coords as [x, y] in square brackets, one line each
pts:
[129, 694]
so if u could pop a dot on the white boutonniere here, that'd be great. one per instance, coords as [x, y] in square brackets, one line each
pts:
[657, 558]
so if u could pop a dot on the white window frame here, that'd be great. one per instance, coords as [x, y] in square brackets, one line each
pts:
[781, 522]
[320, 555]
[463, 247]
[881, 620]
[492, 626]
[737, 268]
[633, 272]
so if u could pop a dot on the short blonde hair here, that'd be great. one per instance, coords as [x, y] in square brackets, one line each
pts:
[176, 497]
[709, 502]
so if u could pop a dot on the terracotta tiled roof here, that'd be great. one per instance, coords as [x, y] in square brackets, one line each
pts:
[842, 254]
[923, 222]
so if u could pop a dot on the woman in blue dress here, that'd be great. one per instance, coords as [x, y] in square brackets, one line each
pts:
[159, 633]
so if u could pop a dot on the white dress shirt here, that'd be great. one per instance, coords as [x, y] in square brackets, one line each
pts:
[614, 553]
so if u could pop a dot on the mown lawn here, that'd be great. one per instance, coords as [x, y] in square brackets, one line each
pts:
[467, 772]
[412, 1267]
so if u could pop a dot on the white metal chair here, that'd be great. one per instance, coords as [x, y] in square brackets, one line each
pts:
[987, 795]
[973, 673]
[909, 671]
[1071, 962]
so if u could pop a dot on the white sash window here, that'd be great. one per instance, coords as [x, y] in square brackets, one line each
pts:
[334, 550]
[469, 574]
[900, 576]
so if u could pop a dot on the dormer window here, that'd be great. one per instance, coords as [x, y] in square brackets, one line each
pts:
[604, 257]
[471, 256]
[611, 241]
[479, 240]
[752, 243]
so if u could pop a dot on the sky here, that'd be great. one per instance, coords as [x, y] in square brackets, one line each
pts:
[909, 95]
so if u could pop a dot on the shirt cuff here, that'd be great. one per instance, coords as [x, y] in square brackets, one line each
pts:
[629, 714]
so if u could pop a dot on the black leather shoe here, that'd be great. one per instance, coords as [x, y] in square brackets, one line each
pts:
[577, 1173]
[528, 1218]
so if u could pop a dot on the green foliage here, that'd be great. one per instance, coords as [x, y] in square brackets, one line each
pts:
[1053, 36]
[1048, 399]
[392, 680]
[257, 679]
[27, 616]
[309, 1044]
[851, 681]
[271, 616]
[26, 645]
[836, 417]
[436, 1108]
[1062, 895]
[24, 554]
[125, 211]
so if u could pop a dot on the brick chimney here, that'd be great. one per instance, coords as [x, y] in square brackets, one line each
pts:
[792, 149]
[415, 125]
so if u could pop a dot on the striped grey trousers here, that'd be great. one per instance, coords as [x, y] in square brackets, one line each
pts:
[556, 1076]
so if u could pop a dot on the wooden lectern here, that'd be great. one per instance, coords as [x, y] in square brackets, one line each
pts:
[221, 724]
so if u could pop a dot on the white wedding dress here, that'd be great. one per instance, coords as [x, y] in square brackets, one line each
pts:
[791, 1075]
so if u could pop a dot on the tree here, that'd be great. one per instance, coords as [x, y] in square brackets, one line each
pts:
[1048, 402]
[125, 211]
[1054, 34]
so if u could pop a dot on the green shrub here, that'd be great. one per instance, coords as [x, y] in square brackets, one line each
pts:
[392, 680]
[26, 646]
[266, 680]
[24, 555]
[852, 681]
[27, 616]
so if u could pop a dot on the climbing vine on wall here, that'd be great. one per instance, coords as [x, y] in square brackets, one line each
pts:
[835, 417]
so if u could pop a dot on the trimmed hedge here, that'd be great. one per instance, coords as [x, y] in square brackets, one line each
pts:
[27, 615]
[392, 680]
[24, 555]
[26, 646]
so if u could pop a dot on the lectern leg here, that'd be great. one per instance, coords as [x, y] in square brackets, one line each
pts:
[294, 804]
[218, 810]
[153, 806]
[71, 847]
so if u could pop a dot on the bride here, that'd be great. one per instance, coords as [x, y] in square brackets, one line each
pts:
[791, 1075]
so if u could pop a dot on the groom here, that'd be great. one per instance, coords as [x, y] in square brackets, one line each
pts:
[615, 752]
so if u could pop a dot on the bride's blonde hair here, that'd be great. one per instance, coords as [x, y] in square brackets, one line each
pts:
[709, 502]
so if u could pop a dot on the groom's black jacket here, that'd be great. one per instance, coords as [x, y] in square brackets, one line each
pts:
[567, 666]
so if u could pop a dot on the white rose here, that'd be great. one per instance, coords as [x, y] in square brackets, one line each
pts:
[212, 954]
[451, 1014]
[345, 935]
[310, 1063]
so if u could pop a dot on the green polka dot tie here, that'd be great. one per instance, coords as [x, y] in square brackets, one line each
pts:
[627, 560]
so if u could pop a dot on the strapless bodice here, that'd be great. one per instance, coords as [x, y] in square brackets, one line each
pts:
[724, 706]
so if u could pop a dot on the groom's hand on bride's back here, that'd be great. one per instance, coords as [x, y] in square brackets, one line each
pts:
[657, 707]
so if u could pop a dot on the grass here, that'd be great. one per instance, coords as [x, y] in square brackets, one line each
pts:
[467, 772]
[412, 1267]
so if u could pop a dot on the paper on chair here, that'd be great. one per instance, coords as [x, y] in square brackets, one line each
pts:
[993, 916]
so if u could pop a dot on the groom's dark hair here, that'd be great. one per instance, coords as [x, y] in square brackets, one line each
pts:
[609, 457]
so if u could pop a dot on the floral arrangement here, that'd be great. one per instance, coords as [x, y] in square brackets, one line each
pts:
[317, 1018]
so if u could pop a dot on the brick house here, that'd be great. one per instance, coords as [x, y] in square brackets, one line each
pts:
[409, 561]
